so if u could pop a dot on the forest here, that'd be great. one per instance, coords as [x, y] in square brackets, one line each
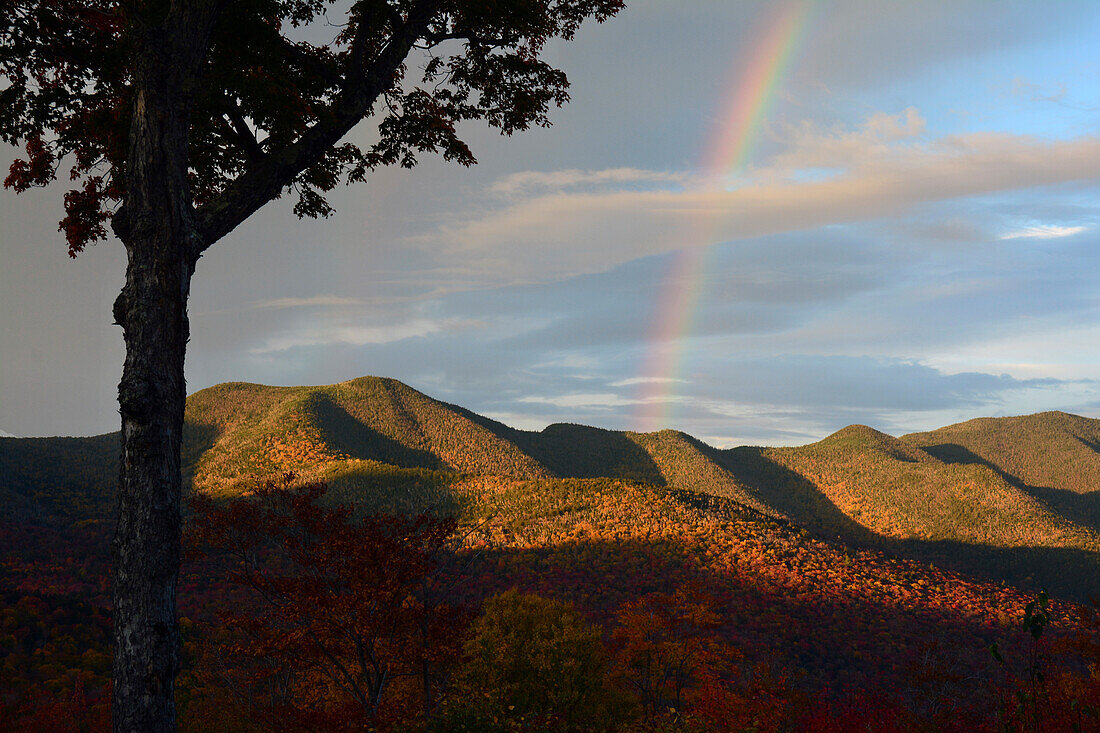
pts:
[380, 586]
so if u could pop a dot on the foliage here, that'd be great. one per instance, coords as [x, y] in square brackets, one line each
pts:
[340, 605]
[534, 664]
[1052, 450]
[380, 443]
[389, 448]
[884, 485]
[267, 94]
[55, 660]
[58, 480]
[806, 635]
[790, 631]
[259, 430]
[663, 645]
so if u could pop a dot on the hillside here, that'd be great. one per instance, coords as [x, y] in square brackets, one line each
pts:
[861, 562]
[801, 615]
[1053, 456]
[1004, 498]
[866, 487]
[66, 478]
[879, 483]
[1050, 449]
[238, 430]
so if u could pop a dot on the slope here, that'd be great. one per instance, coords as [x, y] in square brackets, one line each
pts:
[893, 489]
[239, 430]
[1054, 456]
[358, 434]
[342, 431]
[65, 479]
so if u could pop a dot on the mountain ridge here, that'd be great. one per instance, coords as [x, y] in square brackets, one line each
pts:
[971, 490]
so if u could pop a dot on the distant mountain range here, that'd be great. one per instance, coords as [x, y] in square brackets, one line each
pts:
[1010, 499]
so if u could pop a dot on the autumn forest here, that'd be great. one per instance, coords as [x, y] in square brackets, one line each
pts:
[363, 557]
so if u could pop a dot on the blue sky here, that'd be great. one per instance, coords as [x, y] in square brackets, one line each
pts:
[912, 242]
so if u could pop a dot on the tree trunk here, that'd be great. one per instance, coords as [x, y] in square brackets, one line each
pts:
[158, 231]
[147, 540]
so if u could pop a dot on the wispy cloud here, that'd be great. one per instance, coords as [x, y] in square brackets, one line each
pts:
[352, 335]
[645, 380]
[1043, 231]
[530, 182]
[1033, 92]
[586, 400]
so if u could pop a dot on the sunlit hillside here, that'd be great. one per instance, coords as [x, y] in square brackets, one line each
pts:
[1053, 456]
[861, 479]
[1004, 498]
[237, 430]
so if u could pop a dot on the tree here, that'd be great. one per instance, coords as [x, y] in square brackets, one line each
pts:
[533, 663]
[179, 119]
[666, 645]
[338, 613]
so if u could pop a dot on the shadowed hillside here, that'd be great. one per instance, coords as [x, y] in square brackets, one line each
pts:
[66, 479]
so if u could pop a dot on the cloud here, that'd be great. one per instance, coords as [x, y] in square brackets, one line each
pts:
[1043, 231]
[314, 301]
[353, 335]
[528, 182]
[1033, 92]
[646, 380]
[857, 382]
[581, 400]
[886, 169]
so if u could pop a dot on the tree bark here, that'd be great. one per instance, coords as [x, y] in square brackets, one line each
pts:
[157, 227]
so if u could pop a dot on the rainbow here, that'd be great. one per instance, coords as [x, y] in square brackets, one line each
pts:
[757, 75]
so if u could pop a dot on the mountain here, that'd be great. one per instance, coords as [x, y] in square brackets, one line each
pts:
[859, 479]
[1052, 456]
[1006, 498]
[862, 562]
[238, 430]
[65, 478]
[873, 490]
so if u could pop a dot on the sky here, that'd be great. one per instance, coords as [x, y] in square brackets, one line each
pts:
[756, 222]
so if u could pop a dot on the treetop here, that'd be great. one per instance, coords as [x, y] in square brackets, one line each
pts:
[269, 104]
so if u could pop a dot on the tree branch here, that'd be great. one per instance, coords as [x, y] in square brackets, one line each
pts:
[434, 39]
[362, 86]
[244, 134]
[307, 62]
